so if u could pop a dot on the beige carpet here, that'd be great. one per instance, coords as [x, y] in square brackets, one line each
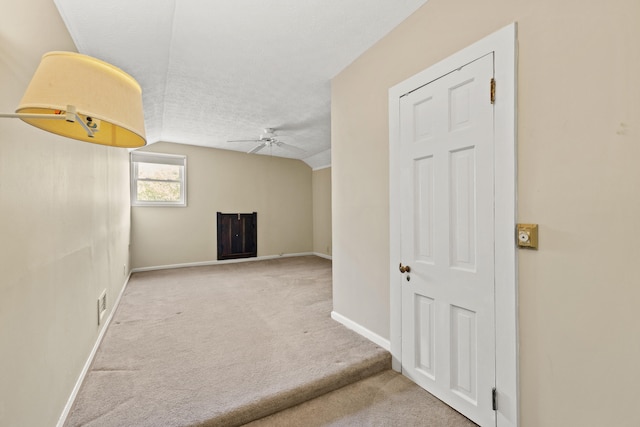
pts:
[229, 344]
[221, 345]
[387, 399]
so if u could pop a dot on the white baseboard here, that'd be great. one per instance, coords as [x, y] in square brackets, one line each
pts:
[325, 256]
[371, 336]
[226, 261]
[94, 350]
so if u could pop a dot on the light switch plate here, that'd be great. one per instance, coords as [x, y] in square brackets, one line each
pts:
[527, 236]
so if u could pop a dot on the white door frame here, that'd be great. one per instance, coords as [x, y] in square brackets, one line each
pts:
[503, 44]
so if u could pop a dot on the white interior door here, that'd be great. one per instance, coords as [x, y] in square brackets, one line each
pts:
[447, 238]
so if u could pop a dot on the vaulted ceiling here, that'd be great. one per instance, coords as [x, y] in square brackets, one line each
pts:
[218, 70]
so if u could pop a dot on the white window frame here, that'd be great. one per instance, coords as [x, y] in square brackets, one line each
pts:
[163, 159]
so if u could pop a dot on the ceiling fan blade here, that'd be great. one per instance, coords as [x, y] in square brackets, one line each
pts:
[244, 140]
[256, 149]
[290, 148]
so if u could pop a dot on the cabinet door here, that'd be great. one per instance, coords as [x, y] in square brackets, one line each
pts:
[237, 235]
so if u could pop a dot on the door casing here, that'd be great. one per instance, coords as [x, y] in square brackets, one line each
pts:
[503, 43]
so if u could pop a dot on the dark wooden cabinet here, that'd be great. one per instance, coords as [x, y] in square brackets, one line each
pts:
[237, 235]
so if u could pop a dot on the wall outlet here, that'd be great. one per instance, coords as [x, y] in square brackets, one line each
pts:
[102, 306]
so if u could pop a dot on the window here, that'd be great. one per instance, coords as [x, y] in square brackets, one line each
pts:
[158, 179]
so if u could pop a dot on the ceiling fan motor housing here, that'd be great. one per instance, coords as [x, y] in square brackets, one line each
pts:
[268, 133]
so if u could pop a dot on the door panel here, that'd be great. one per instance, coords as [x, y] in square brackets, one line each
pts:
[425, 335]
[447, 229]
[463, 353]
[424, 183]
[462, 208]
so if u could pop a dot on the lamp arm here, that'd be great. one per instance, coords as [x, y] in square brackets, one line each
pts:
[70, 116]
[84, 126]
[32, 116]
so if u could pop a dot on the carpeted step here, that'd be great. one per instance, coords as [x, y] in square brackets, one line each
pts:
[384, 399]
[285, 399]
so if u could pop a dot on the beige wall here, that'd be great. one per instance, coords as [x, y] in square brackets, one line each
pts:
[321, 183]
[278, 189]
[64, 233]
[578, 147]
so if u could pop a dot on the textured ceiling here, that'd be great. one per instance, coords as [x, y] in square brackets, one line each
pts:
[219, 70]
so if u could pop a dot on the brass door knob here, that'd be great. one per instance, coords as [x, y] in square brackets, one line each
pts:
[404, 268]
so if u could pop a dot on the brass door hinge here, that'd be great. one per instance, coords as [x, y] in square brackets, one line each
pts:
[493, 91]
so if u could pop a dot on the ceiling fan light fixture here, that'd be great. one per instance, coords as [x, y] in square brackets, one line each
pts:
[269, 139]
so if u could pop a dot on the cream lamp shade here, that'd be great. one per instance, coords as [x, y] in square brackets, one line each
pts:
[104, 100]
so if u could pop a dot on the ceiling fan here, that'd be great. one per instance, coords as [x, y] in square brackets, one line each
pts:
[269, 139]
